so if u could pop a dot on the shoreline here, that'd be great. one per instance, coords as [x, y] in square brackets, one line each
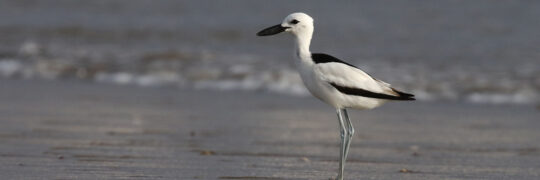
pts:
[67, 130]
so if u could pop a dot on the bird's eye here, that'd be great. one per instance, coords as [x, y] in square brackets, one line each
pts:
[294, 21]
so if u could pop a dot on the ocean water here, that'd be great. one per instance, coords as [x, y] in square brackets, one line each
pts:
[473, 51]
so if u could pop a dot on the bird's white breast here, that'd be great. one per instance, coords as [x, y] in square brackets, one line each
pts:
[316, 86]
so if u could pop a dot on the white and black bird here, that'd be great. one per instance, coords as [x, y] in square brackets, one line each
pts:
[338, 83]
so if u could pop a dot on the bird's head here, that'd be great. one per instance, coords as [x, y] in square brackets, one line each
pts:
[296, 23]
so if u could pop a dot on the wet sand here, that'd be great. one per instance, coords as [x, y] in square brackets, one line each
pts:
[75, 130]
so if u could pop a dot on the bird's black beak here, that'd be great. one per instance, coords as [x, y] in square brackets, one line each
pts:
[272, 30]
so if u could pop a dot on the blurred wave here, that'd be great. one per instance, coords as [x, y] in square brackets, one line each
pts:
[474, 51]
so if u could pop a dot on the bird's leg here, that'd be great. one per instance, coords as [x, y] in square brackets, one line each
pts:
[350, 130]
[344, 143]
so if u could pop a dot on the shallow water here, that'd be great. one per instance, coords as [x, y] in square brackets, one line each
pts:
[475, 51]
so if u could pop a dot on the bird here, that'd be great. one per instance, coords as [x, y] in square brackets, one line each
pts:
[334, 81]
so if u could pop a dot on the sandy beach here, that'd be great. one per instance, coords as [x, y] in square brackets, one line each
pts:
[185, 90]
[77, 130]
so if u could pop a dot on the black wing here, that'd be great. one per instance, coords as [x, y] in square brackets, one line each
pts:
[365, 93]
[325, 58]
[396, 95]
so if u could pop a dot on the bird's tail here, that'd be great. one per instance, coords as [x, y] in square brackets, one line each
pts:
[404, 96]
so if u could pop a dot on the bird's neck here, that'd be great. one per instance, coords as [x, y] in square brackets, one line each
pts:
[302, 45]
